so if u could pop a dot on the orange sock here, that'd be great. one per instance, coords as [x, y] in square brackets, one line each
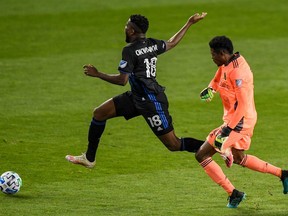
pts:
[256, 164]
[216, 174]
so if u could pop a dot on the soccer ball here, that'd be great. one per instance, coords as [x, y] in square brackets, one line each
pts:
[10, 182]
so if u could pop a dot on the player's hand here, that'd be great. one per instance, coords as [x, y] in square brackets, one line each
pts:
[222, 137]
[207, 94]
[90, 70]
[196, 17]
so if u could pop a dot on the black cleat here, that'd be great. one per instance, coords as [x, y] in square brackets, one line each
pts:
[284, 179]
[235, 198]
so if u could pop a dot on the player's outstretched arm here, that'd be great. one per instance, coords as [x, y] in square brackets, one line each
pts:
[117, 79]
[175, 39]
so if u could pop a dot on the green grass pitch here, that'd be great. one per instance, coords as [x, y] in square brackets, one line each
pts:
[47, 102]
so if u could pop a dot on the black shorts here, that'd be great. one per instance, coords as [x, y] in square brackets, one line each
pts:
[154, 109]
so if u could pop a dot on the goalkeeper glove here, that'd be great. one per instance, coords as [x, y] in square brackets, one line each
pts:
[207, 94]
[222, 137]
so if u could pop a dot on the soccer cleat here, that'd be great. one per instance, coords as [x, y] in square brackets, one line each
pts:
[81, 159]
[284, 179]
[235, 198]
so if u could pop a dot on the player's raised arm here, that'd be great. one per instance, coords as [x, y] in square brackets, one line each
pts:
[175, 39]
[117, 79]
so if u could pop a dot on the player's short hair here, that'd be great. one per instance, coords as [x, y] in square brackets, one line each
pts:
[219, 43]
[140, 21]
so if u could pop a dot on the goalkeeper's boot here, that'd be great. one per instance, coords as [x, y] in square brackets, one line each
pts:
[81, 159]
[235, 198]
[284, 179]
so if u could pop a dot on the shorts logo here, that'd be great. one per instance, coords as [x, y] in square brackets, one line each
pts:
[159, 129]
[123, 64]
[238, 82]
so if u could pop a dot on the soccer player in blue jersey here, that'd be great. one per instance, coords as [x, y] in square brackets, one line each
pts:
[146, 97]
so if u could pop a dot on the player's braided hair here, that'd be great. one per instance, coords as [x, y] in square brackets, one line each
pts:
[219, 43]
[140, 21]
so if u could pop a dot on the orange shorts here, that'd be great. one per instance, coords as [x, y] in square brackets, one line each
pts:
[235, 140]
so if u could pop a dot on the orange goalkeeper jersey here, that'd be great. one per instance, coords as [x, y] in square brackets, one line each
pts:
[234, 82]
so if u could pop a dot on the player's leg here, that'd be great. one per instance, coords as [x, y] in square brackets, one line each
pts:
[173, 143]
[121, 105]
[254, 163]
[214, 171]
[100, 114]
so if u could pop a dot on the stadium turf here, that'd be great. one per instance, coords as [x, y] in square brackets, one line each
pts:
[47, 102]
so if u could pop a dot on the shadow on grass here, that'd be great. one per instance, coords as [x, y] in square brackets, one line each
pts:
[18, 197]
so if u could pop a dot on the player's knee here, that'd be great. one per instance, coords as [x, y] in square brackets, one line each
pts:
[98, 114]
[205, 151]
[95, 113]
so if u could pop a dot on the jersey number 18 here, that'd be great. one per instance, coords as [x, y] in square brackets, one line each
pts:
[150, 67]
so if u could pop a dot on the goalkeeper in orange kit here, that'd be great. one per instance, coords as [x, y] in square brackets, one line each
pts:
[234, 82]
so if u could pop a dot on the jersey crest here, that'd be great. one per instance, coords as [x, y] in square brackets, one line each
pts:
[122, 64]
[238, 82]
